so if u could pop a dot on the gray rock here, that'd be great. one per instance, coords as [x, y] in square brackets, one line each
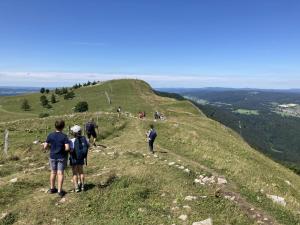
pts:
[204, 222]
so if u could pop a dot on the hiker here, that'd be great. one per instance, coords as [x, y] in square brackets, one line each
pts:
[151, 135]
[90, 129]
[79, 146]
[119, 111]
[59, 147]
[156, 115]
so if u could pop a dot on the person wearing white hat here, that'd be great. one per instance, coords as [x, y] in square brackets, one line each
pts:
[79, 149]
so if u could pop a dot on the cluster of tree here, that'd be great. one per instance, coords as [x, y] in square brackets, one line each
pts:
[68, 94]
[45, 102]
[43, 91]
[61, 91]
[89, 83]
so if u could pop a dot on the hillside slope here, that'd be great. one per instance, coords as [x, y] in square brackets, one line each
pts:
[129, 186]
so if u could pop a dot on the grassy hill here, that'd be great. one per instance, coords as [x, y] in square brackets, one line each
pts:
[126, 185]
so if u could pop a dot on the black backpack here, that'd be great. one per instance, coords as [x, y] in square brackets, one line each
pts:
[81, 148]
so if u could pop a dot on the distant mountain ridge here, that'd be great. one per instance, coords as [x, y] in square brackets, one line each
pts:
[12, 91]
[222, 89]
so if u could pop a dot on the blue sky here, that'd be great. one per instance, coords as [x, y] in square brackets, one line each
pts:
[193, 43]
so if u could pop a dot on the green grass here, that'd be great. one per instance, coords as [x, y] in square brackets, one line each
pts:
[144, 188]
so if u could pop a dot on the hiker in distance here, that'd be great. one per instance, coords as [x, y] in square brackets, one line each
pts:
[59, 147]
[151, 136]
[79, 146]
[90, 129]
[119, 111]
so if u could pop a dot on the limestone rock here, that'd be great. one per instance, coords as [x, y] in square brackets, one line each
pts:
[183, 217]
[222, 181]
[204, 222]
[14, 180]
[190, 198]
[277, 199]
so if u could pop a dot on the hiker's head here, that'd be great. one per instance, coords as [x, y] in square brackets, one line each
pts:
[91, 120]
[59, 124]
[76, 130]
[151, 126]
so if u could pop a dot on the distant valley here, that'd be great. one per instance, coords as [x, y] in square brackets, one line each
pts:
[11, 91]
[269, 120]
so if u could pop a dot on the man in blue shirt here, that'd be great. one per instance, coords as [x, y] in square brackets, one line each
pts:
[59, 147]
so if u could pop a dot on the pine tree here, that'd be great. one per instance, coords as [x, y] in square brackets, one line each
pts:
[53, 99]
[25, 105]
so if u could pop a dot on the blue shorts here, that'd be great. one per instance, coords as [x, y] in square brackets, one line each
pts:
[58, 164]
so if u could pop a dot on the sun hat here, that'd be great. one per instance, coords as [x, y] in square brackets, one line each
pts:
[76, 129]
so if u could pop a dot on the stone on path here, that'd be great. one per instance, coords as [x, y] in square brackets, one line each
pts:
[14, 180]
[3, 215]
[63, 200]
[222, 181]
[171, 163]
[190, 198]
[187, 170]
[277, 199]
[187, 207]
[204, 222]
[182, 217]
[288, 183]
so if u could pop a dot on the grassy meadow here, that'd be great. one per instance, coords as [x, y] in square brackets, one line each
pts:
[126, 184]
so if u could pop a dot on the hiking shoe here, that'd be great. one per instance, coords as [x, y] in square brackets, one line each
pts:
[77, 189]
[61, 194]
[82, 187]
[52, 191]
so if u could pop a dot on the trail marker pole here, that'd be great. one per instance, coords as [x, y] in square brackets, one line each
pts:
[6, 133]
[108, 98]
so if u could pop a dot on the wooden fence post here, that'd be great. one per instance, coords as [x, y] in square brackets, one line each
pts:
[108, 98]
[6, 133]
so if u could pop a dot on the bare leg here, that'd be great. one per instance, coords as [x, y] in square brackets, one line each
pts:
[52, 179]
[60, 180]
[80, 172]
[75, 176]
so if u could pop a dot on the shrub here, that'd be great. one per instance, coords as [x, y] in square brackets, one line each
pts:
[69, 95]
[25, 105]
[42, 115]
[53, 99]
[47, 91]
[81, 107]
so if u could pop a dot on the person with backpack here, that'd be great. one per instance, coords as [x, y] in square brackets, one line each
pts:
[119, 111]
[151, 135]
[90, 128]
[79, 146]
[59, 147]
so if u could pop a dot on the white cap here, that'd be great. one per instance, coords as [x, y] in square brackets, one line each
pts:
[75, 129]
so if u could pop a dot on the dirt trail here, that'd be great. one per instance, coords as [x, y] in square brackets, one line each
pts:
[229, 190]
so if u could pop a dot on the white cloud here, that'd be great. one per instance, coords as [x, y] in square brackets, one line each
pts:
[66, 78]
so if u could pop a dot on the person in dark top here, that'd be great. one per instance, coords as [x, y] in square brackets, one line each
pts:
[151, 135]
[119, 111]
[90, 129]
[59, 147]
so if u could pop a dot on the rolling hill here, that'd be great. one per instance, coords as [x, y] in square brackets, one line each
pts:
[202, 170]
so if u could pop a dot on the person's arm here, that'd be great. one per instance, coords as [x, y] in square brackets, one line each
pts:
[67, 144]
[46, 143]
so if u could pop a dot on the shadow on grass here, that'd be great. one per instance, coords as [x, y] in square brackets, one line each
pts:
[89, 186]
